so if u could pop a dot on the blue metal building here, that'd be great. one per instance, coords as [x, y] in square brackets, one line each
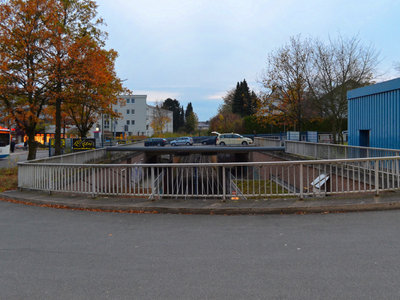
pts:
[374, 115]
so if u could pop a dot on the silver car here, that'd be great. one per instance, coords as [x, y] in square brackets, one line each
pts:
[184, 140]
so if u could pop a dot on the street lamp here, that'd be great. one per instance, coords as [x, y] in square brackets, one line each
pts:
[102, 130]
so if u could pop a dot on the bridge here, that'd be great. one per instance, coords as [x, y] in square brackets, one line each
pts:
[348, 170]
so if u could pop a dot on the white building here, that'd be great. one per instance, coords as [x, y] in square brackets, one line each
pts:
[136, 118]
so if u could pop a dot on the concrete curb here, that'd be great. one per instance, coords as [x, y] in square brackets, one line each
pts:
[207, 210]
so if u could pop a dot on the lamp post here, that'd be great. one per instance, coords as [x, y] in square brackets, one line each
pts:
[102, 131]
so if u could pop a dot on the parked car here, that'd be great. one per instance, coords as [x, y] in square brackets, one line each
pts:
[155, 142]
[184, 140]
[209, 140]
[22, 146]
[231, 139]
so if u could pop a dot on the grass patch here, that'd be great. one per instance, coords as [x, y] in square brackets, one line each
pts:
[8, 179]
[255, 187]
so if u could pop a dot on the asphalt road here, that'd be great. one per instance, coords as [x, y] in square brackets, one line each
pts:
[63, 254]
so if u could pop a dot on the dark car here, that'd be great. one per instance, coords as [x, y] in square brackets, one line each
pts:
[155, 142]
[209, 141]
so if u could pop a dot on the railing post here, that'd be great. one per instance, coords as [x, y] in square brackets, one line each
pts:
[223, 184]
[397, 164]
[152, 181]
[93, 183]
[49, 178]
[301, 182]
[376, 177]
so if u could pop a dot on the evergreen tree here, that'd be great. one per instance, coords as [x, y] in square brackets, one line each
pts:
[191, 122]
[181, 118]
[237, 103]
[244, 102]
[174, 106]
[189, 110]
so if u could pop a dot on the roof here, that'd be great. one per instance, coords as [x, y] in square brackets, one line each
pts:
[378, 88]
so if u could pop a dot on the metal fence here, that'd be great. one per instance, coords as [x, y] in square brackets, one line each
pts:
[216, 180]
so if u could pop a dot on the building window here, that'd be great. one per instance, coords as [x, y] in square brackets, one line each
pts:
[127, 100]
[132, 100]
[127, 122]
[127, 111]
[133, 122]
[116, 110]
[132, 111]
[147, 127]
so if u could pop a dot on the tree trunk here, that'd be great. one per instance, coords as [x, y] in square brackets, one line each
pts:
[31, 144]
[57, 134]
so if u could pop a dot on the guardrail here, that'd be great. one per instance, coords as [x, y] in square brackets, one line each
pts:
[216, 180]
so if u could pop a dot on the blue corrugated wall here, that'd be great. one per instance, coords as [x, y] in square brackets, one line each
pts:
[375, 108]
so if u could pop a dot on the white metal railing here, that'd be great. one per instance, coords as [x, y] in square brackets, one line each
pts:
[334, 151]
[195, 180]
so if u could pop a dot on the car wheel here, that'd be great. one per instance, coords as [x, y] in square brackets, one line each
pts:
[204, 143]
[187, 144]
[222, 144]
[173, 144]
[244, 143]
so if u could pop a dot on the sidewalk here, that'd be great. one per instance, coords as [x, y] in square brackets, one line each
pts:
[365, 202]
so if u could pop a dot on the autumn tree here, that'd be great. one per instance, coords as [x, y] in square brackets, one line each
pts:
[341, 65]
[226, 122]
[226, 106]
[24, 84]
[72, 20]
[93, 86]
[39, 64]
[286, 86]
[159, 119]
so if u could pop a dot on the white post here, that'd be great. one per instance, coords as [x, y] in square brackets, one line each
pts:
[49, 178]
[93, 183]
[376, 177]
[152, 181]
[223, 184]
[301, 181]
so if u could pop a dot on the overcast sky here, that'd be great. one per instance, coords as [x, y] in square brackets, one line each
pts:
[197, 50]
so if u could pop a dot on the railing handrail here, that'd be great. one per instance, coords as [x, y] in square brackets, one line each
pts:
[71, 155]
[229, 164]
[343, 146]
